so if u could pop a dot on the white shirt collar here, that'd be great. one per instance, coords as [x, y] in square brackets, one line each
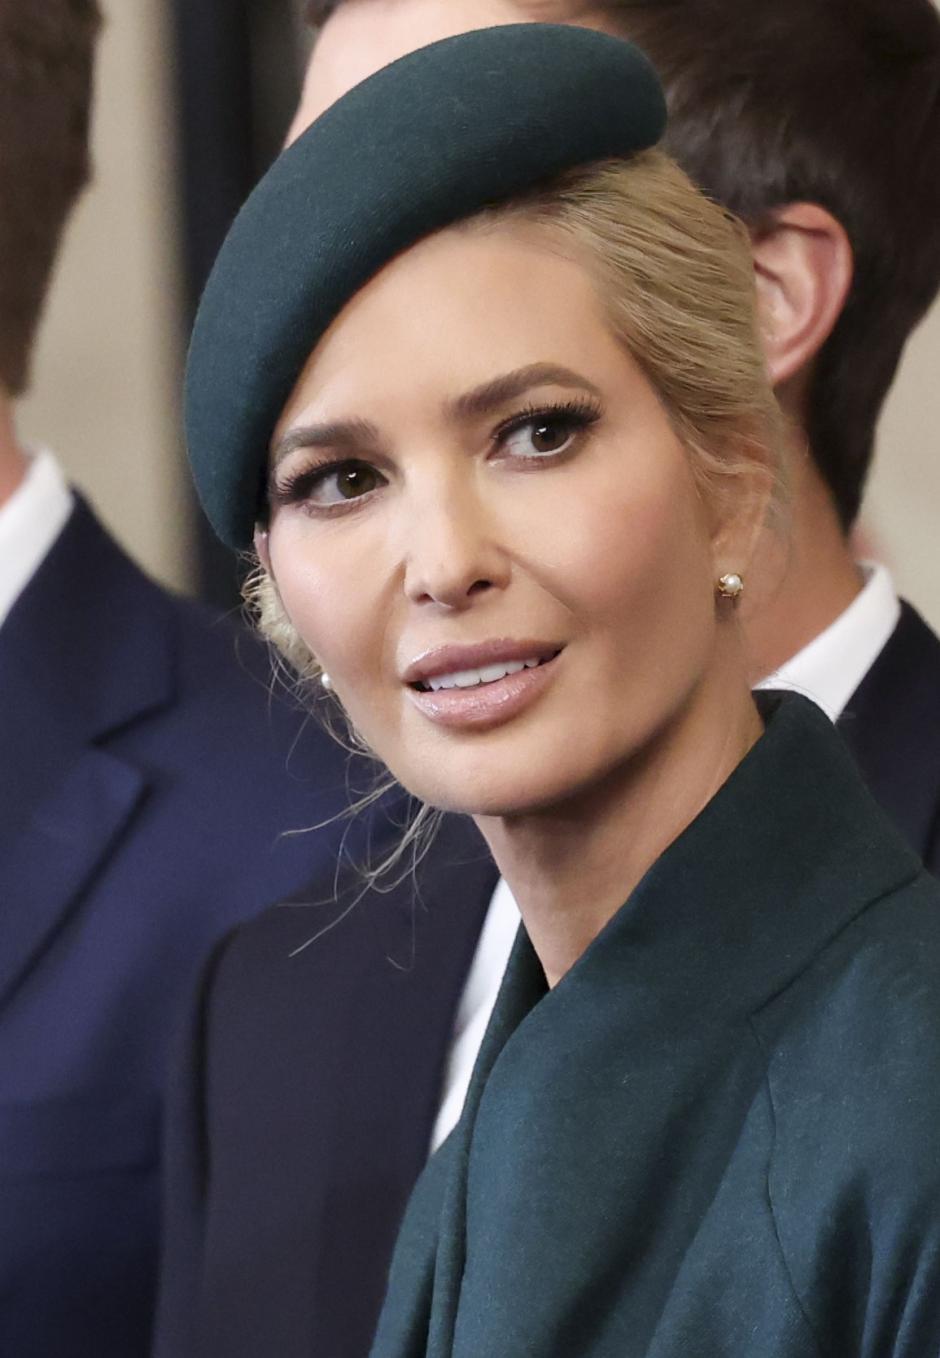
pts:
[30, 522]
[476, 1005]
[832, 666]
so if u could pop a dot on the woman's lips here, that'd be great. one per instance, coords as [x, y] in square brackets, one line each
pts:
[485, 705]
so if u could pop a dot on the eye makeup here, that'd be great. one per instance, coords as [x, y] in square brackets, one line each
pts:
[557, 423]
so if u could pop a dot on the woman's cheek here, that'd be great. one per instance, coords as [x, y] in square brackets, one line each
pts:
[342, 617]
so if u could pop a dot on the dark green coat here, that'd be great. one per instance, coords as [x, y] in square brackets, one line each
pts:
[719, 1135]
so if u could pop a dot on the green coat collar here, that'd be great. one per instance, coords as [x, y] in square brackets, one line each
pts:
[608, 1177]
[788, 851]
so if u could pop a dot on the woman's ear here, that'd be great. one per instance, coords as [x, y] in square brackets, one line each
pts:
[803, 264]
[262, 548]
[740, 528]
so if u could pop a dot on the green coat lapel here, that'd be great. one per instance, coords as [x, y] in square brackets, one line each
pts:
[605, 1191]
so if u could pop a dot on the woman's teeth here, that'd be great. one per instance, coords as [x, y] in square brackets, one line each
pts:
[487, 675]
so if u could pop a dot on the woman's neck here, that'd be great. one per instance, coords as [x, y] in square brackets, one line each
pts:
[572, 866]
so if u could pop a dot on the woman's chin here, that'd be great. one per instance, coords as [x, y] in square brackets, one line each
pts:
[491, 794]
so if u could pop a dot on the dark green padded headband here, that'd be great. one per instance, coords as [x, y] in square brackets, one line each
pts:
[433, 138]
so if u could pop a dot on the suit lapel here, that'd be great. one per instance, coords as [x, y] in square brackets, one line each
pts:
[892, 726]
[417, 978]
[400, 1031]
[82, 653]
[45, 867]
[323, 1074]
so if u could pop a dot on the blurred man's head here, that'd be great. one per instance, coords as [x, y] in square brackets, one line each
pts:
[46, 51]
[367, 36]
[817, 121]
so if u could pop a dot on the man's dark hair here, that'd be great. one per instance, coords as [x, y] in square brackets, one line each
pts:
[46, 60]
[835, 102]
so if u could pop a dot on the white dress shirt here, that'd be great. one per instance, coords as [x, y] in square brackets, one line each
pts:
[30, 522]
[476, 1004]
[828, 670]
[832, 666]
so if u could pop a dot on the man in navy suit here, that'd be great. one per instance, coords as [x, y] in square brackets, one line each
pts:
[145, 778]
[819, 124]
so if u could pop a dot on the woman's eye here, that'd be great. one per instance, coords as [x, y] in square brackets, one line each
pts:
[539, 437]
[545, 433]
[349, 482]
[335, 484]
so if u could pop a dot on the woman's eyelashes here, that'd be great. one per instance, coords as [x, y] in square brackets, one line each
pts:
[329, 485]
[546, 432]
[536, 434]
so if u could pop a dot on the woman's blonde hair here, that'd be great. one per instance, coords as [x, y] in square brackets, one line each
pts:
[676, 277]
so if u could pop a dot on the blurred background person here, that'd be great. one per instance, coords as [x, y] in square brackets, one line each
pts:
[146, 777]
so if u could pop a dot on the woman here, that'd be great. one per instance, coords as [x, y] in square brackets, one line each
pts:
[495, 420]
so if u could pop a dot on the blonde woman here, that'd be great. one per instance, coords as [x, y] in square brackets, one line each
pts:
[477, 373]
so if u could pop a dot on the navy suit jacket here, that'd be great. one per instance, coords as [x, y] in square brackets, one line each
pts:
[308, 1087]
[146, 777]
[892, 726]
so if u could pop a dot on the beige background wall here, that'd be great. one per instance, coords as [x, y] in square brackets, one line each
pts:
[105, 388]
[903, 503]
[106, 391]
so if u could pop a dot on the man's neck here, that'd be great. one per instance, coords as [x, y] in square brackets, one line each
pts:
[13, 461]
[815, 577]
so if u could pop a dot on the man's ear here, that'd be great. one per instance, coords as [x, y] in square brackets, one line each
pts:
[803, 264]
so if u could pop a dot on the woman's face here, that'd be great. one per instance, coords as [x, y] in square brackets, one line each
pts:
[485, 529]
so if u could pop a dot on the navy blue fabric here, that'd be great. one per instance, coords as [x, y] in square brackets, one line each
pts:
[303, 1110]
[276, 1128]
[426, 141]
[892, 726]
[144, 785]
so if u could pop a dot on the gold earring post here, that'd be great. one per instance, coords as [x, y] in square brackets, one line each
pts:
[731, 586]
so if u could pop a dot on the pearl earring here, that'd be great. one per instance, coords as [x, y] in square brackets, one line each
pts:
[326, 681]
[730, 586]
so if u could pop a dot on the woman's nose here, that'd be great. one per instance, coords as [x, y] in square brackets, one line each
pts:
[451, 553]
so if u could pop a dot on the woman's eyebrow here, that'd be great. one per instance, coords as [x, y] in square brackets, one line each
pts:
[483, 400]
[341, 434]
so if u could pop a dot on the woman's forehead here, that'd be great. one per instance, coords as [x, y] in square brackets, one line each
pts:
[456, 312]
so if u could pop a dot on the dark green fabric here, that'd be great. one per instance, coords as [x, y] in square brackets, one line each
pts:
[719, 1135]
[431, 139]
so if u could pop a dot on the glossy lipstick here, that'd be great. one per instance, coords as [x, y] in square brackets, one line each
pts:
[466, 705]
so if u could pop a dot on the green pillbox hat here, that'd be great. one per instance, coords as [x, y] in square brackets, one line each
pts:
[431, 139]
